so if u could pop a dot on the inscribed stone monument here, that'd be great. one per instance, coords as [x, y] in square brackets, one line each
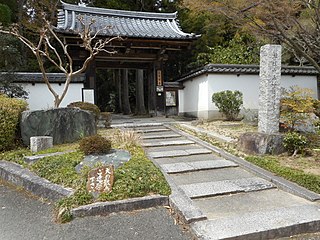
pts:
[267, 140]
[270, 91]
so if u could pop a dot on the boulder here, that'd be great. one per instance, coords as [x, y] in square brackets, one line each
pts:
[261, 143]
[65, 125]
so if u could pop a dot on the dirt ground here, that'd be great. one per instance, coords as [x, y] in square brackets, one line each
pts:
[309, 163]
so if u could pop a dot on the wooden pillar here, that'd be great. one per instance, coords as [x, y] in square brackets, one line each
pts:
[125, 92]
[91, 78]
[140, 106]
[152, 90]
[118, 79]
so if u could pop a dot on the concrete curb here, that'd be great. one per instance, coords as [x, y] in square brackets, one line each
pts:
[280, 182]
[21, 177]
[104, 208]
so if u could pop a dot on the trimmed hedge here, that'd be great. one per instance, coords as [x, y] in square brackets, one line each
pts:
[10, 111]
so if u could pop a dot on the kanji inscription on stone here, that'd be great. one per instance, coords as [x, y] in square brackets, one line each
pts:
[100, 179]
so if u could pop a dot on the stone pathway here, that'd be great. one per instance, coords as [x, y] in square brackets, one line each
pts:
[220, 199]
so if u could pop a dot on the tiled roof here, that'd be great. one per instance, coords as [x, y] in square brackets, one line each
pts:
[246, 69]
[21, 77]
[121, 23]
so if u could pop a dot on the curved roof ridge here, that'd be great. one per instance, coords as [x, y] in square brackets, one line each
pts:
[120, 13]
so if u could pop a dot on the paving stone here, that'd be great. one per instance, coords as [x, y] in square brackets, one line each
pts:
[175, 148]
[145, 130]
[266, 224]
[191, 158]
[197, 166]
[173, 135]
[176, 153]
[213, 175]
[167, 143]
[237, 204]
[198, 151]
[207, 189]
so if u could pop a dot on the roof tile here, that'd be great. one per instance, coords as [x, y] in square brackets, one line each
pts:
[123, 23]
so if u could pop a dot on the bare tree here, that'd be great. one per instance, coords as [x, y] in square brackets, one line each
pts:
[49, 47]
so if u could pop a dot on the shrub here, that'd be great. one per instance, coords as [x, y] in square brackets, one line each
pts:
[88, 107]
[10, 111]
[107, 117]
[228, 103]
[316, 105]
[297, 106]
[95, 144]
[294, 142]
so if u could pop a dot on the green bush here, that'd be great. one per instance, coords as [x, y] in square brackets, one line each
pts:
[228, 103]
[95, 144]
[88, 107]
[10, 111]
[294, 142]
[316, 105]
[5, 14]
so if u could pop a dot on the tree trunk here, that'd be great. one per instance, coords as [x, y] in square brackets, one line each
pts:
[125, 93]
[140, 107]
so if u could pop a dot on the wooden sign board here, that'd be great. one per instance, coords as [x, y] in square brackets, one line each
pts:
[101, 179]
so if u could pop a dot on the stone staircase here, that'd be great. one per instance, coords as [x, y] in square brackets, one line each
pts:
[219, 198]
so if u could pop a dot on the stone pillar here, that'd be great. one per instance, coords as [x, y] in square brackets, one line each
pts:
[270, 91]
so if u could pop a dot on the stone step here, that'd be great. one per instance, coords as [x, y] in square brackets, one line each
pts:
[178, 153]
[237, 204]
[191, 158]
[213, 175]
[162, 136]
[209, 189]
[167, 143]
[197, 166]
[153, 130]
[285, 221]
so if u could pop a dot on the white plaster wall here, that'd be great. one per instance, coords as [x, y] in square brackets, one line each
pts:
[195, 97]
[40, 98]
[197, 94]
[301, 81]
[181, 100]
[247, 84]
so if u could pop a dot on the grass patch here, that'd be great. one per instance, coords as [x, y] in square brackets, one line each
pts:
[136, 178]
[16, 156]
[59, 169]
[270, 163]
